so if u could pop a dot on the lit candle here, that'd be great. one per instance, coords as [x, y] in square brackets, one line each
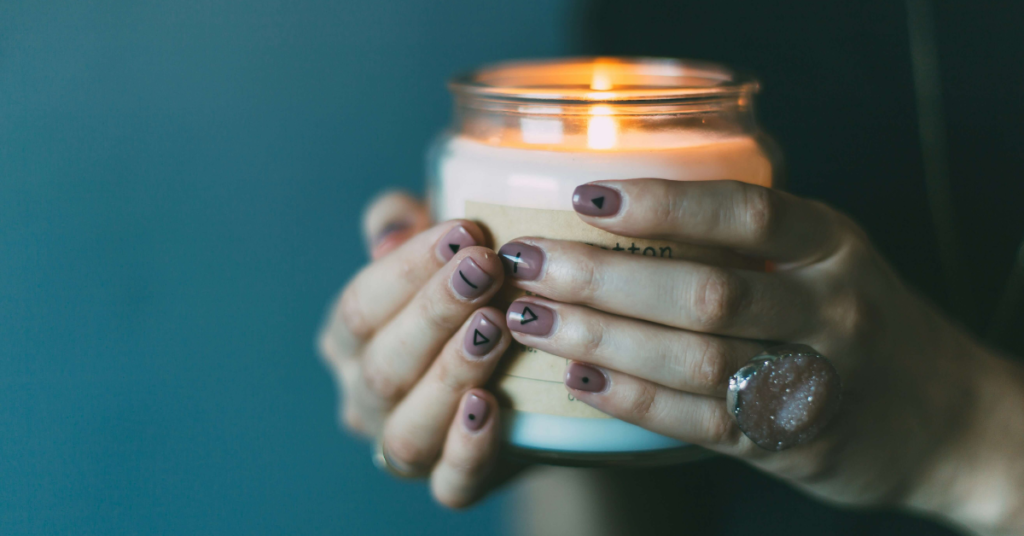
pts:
[525, 135]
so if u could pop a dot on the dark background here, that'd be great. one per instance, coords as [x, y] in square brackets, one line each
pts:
[180, 188]
[839, 97]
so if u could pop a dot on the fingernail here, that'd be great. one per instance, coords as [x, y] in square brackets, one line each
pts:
[522, 261]
[475, 412]
[455, 240]
[530, 318]
[482, 336]
[390, 229]
[585, 378]
[592, 200]
[469, 280]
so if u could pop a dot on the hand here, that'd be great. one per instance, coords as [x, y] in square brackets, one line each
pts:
[655, 340]
[411, 343]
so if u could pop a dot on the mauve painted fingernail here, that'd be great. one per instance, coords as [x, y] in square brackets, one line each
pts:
[592, 200]
[469, 280]
[522, 261]
[455, 240]
[482, 336]
[530, 318]
[475, 413]
[585, 378]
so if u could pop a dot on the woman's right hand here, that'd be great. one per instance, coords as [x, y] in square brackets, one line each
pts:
[411, 343]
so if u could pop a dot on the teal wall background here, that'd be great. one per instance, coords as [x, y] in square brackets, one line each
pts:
[180, 189]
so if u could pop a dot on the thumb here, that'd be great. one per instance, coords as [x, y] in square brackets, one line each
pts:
[392, 219]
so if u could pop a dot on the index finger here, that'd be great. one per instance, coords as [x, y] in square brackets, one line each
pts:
[381, 289]
[752, 219]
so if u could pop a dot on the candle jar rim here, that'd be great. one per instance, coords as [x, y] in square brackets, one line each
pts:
[598, 79]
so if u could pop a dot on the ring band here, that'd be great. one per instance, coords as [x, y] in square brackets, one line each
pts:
[382, 461]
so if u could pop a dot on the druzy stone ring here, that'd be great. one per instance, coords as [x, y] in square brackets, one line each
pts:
[784, 396]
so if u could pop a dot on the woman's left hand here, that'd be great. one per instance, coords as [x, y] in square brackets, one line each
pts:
[658, 339]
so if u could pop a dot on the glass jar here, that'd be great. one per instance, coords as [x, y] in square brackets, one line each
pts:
[523, 136]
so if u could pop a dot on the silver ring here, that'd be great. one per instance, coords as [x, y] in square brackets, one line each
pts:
[382, 461]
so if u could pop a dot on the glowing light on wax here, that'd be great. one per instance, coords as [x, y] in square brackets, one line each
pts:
[601, 80]
[602, 130]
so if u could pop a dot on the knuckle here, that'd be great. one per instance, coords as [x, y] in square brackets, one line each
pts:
[328, 349]
[407, 452]
[356, 422]
[435, 314]
[352, 314]
[854, 316]
[840, 235]
[643, 402]
[450, 376]
[352, 420]
[717, 299]
[382, 384]
[589, 337]
[760, 210]
[721, 428]
[450, 498]
[584, 282]
[470, 467]
[668, 205]
[709, 369]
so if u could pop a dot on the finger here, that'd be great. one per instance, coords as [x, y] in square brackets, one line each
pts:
[682, 294]
[345, 369]
[376, 294]
[682, 360]
[392, 219]
[416, 429]
[395, 358]
[470, 451]
[381, 289]
[337, 350]
[752, 219]
[691, 418]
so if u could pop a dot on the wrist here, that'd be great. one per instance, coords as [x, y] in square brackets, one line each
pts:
[976, 477]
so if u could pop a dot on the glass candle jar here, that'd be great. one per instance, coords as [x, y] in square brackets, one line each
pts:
[524, 135]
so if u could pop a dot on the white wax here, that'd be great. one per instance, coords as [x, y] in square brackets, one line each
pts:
[473, 171]
[468, 170]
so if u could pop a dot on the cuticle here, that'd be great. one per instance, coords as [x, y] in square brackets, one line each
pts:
[555, 323]
[607, 380]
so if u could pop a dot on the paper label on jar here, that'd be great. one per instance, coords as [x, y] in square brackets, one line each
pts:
[529, 379]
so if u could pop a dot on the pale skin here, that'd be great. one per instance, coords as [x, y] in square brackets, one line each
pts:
[931, 420]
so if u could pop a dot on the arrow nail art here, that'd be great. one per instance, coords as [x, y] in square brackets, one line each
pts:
[593, 200]
[530, 318]
[455, 240]
[482, 335]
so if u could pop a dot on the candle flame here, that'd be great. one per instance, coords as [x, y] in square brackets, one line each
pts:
[602, 130]
[601, 80]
